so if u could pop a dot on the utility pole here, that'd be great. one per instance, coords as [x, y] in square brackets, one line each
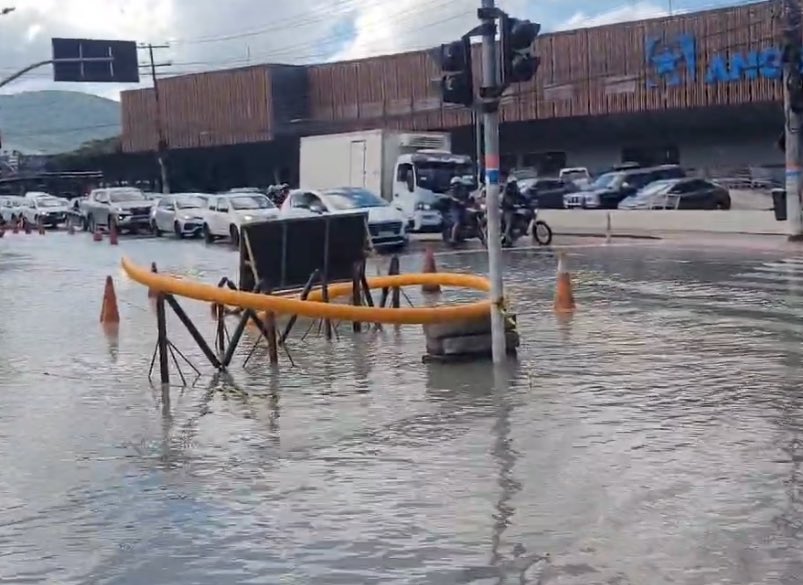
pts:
[490, 82]
[161, 147]
[793, 106]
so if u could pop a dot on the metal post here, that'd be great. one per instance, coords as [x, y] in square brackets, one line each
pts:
[490, 79]
[162, 146]
[161, 329]
[478, 144]
[791, 76]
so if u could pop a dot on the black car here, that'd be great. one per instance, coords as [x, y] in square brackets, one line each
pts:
[608, 190]
[547, 193]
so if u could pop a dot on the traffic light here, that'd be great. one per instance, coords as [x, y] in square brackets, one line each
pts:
[518, 61]
[457, 82]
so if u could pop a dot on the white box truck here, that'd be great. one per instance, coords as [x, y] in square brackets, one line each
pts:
[408, 169]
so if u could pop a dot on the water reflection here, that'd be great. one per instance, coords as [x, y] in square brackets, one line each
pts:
[655, 437]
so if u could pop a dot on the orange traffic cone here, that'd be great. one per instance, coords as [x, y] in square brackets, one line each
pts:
[109, 314]
[97, 236]
[70, 226]
[113, 233]
[2, 230]
[430, 268]
[27, 226]
[564, 298]
[15, 227]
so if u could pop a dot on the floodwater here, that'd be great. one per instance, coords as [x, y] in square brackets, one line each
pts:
[654, 438]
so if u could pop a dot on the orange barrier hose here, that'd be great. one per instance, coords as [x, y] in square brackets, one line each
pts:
[314, 308]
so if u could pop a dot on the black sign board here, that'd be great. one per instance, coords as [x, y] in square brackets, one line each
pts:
[287, 251]
[95, 61]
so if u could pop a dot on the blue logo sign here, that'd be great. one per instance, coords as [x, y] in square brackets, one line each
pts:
[666, 61]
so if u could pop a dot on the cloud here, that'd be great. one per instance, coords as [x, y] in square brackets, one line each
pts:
[637, 11]
[210, 34]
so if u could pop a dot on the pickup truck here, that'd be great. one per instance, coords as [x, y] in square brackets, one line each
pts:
[127, 207]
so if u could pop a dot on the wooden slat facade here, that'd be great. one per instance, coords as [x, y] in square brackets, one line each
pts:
[206, 109]
[588, 72]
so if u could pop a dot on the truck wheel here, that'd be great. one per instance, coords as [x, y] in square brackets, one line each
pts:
[156, 231]
[235, 235]
[177, 229]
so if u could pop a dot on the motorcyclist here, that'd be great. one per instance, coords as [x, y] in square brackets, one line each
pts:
[512, 197]
[282, 193]
[459, 196]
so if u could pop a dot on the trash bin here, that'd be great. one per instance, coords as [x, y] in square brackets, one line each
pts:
[779, 204]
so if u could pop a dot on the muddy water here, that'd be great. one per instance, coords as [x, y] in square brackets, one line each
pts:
[653, 438]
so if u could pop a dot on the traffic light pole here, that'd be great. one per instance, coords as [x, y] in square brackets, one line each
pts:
[792, 82]
[490, 79]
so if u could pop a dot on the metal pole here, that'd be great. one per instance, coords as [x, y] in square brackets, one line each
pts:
[490, 79]
[478, 144]
[161, 328]
[162, 146]
[791, 77]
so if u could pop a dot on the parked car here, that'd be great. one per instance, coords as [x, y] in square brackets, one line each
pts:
[690, 193]
[227, 212]
[48, 210]
[11, 208]
[577, 175]
[611, 188]
[548, 193]
[387, 225]
[181, 213]
[126, 206]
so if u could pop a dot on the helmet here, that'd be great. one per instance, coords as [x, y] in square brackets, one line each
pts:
[456, 181]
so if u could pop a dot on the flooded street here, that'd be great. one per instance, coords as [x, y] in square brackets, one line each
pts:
[655, 437]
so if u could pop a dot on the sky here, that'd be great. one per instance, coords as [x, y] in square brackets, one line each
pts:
[214, 34]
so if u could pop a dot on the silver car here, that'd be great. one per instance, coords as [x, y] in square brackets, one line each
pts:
[127, 207]
[181, 213]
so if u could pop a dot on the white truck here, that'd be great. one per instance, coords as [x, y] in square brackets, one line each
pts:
[411, 170]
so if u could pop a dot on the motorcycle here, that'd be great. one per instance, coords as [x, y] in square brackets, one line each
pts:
[472, 226]
[541, 232]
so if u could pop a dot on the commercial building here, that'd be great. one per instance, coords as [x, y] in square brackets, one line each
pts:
[702, 89]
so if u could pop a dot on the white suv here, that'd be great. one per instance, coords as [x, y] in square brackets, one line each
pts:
[226, 213]
[48, 210]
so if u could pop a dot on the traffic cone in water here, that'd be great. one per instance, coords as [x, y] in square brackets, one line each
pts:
[41, 227]
[109, 314]
[27, 226]
[564, 298]
[2, 230]
[70, 227]
[15, 227]
[113, 233]
[97, 235]
[430, 268]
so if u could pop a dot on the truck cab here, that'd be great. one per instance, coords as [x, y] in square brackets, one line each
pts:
[423, 177]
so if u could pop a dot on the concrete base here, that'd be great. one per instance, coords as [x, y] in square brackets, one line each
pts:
[466, 340]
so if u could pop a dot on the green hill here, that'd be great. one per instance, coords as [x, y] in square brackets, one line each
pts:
[50, 122]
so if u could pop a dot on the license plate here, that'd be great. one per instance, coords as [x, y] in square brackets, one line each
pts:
[386, 234]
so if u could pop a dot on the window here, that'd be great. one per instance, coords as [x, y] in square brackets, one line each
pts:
[405, 175]
[401, 172]
[165, 203]
[102, 197]
[223, 205]
[126, 195]
[354, 199]
[212, 204]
